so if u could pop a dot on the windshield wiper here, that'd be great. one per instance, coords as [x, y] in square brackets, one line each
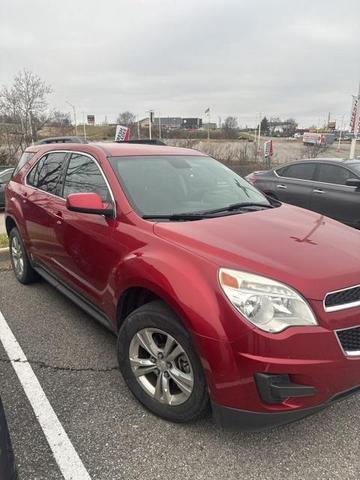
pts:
[177, 216]
[205, 213]
[236, 206]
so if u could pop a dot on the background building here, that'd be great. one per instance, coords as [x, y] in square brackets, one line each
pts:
[192, 123]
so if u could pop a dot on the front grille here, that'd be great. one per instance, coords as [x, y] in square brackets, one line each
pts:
[342, 298]
[350, 340]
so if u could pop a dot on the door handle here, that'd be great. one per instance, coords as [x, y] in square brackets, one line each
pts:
[318, 191]
[59, 217]
[281, 187]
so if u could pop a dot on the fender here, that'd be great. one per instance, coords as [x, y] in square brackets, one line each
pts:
[185, 286]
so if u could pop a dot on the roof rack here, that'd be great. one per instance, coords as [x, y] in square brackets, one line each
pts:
[143, 141]
[65, 139]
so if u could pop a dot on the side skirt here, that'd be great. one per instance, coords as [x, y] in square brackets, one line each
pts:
[75, 297]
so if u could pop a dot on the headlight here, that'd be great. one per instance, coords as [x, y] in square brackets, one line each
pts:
[269, 305]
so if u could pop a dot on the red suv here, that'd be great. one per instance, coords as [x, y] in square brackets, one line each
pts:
[220, 297]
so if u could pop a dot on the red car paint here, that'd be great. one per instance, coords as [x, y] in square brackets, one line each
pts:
[179, 261]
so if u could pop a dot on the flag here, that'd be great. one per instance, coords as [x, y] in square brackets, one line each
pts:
[122, 133]
[207, 110]
[268, 149]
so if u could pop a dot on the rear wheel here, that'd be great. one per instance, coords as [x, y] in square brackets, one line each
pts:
[19, 259]
[160, 365]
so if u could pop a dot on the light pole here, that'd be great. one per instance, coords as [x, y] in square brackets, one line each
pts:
[74, 111]
[151, 113]
[356, 126]
[341, 131]
[259, 135]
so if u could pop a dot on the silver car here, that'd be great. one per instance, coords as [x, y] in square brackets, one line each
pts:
[5, 176]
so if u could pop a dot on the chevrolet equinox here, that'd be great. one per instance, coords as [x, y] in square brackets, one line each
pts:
[220, 297]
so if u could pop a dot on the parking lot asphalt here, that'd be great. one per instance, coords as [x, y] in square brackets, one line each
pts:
[75, 362]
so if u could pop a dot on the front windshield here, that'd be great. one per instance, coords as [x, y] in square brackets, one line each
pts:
[167, 185]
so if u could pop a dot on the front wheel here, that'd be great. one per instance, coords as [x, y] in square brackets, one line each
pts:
[160, 365]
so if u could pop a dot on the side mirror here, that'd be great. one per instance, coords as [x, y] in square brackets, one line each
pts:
[88, 203]
[353, 182]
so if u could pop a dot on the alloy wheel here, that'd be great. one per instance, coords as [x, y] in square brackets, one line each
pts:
[161, 366]
[17, 255]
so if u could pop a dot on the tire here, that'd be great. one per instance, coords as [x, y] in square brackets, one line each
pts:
[19, 259]
[176, 404]
[7, 465]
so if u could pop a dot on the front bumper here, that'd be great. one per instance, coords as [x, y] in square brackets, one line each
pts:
[307, 356]
[235, 419]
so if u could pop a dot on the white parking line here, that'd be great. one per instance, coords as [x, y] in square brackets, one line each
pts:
[63, 450]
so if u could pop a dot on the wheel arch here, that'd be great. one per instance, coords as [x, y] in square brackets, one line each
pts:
[10, 224]
[137, 296]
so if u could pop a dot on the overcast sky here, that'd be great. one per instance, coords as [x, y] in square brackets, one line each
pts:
[293, 58]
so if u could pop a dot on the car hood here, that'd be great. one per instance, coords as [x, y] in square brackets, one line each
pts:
[305, 250]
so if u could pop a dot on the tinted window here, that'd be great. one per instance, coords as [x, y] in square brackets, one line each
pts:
[302, 171]
[46, 173]
[334, 174]
[83, 175]
[25, 157]
[169, 184]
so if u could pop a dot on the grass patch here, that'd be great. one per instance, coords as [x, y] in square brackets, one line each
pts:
[4, 241]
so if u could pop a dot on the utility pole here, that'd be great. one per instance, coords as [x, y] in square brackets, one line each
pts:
[138, 128]
[74, 111]
[356, 127]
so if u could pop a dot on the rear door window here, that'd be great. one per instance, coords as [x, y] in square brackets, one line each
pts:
[301, 171]
[83, 175]
[333, 174]
[46, 174]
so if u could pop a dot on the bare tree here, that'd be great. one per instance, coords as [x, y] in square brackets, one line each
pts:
[126, 118]
[24, 105]
[313, 151]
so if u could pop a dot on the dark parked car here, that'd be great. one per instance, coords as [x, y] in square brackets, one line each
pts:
[7, 465]
[327, 186]
[219, 297]
[5, 176]
[66, 139]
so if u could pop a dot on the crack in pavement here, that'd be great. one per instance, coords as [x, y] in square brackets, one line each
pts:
[42, 364]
